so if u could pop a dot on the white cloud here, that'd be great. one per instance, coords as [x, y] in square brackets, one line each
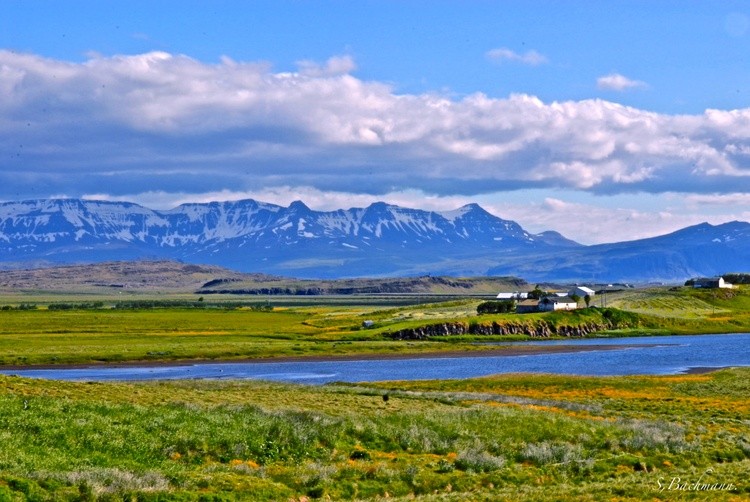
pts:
[502, 54]
[617, 82]
[730, 200]
[159, 122]
[599, 224]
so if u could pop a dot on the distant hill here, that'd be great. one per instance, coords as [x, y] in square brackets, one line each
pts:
[380, 240]
[700, 250]
[174, 277]
[431, 285]
[115, 277]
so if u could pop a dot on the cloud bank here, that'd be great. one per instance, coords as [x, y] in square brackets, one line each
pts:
[164, 123]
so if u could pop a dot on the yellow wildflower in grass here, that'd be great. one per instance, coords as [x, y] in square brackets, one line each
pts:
[624, 469]
[685, 378]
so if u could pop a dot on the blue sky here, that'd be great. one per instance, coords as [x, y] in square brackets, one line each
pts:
[602, 120]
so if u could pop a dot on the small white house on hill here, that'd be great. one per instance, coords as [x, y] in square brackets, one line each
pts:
[551, 303]
[581, 291]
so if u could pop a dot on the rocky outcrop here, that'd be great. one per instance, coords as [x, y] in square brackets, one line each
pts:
[263, 291]
[540, 329]
[423, 285]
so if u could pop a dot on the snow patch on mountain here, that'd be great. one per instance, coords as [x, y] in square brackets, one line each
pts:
[381, 239]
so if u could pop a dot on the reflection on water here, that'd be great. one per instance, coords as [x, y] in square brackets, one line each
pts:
[640, 355]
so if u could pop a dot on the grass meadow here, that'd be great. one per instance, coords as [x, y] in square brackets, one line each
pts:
[511, 437]
[44, 333]
[42, 336]
[532, 437]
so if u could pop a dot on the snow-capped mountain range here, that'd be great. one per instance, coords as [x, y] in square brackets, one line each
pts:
[378, 240]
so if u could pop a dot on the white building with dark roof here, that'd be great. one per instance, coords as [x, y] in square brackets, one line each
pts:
[711, 283]
[551, 303]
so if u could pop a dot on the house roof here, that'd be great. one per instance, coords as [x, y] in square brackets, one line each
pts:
[527, 303]
[584, 289]
[707, 280]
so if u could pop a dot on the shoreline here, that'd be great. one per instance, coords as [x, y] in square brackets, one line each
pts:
[446, 354]
[702, 370]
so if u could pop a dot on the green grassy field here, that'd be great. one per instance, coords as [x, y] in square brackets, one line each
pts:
[44, 336]
[77, 336]
[511, 437]
[501, 438]
[240, 328]
[687, 310]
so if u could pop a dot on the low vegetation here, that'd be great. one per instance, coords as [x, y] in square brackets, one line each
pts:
[511, 437]
[499, 438]
[496, 307]
[148, 329]
[684, 310]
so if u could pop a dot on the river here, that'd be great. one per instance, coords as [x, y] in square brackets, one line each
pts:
[628, 356]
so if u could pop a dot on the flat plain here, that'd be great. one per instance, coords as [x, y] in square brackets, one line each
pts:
[38, 329]
[511, 437]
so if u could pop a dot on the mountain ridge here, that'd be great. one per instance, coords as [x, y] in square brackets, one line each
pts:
[143, 277]
[379, 240]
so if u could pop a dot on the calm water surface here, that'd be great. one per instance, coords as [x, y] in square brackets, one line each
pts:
[642, 355]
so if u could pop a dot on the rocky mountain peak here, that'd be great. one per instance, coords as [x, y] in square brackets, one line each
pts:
[378, 240]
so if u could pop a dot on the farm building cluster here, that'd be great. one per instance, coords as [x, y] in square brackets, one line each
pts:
[539, 301]
[549, 302]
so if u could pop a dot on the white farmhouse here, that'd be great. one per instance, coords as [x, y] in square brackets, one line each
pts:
[550, 303]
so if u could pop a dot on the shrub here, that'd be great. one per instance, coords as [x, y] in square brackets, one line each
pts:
[477, 460]
[496, 307]
[359, 454]
[645, 435]
[557, 453]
